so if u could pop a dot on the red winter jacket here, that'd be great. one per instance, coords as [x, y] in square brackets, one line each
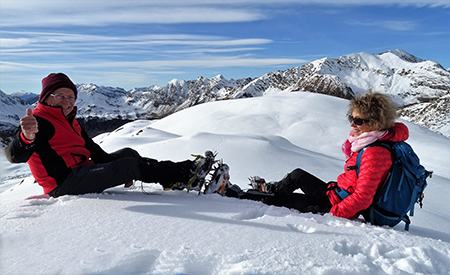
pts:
[375, 164]
[60, 145]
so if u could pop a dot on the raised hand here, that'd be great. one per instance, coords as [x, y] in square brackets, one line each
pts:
[29, 125]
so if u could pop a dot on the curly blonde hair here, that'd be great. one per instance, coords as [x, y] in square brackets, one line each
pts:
[380, 109]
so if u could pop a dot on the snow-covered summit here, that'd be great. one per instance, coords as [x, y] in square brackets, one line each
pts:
[408, 78]
[27, 97]
[218, 78]
[95, 101]
[404, 55]
[93, 89]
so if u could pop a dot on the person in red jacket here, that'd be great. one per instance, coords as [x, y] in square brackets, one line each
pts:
[372, 117]
[64, 160]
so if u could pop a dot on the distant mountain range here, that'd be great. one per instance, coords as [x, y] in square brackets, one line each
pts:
[421, 87]
[27, 97]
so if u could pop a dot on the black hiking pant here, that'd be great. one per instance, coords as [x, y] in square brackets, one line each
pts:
[127, 166]
[314, 198]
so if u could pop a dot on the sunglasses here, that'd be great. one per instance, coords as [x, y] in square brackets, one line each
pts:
[358, 121]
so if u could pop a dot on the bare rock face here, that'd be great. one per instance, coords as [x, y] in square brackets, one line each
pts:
[433, 114]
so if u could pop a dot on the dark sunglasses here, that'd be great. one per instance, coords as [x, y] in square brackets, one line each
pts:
[358, 121]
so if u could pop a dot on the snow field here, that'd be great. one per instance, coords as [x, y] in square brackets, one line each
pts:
[123, 231]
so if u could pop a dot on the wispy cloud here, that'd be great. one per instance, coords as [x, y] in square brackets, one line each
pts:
[206, 62]
[46, 38]
[394, 25]
[20, 13]
[97, 47]
[13, 42]
[57, 15]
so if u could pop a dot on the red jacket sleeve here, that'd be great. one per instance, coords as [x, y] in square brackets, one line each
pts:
[375, 164]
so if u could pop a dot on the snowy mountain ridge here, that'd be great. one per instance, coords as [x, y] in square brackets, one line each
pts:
[410, 79]
[422, 87]
[27, 97]
[12, 108]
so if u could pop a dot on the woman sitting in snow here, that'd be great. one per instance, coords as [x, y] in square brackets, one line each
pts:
[64, 160]
[372, 117]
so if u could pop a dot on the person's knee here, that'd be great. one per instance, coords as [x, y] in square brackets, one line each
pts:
[127, 166]
[289, 183]
[297, 173]
[126, 152]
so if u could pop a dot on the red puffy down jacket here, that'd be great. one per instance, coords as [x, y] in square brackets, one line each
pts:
[375, 164]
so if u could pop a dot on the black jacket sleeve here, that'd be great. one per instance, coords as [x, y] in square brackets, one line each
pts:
[17, 151]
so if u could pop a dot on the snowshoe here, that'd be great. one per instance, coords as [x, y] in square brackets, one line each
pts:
[261, 185]
[202, 167]
[219, 182]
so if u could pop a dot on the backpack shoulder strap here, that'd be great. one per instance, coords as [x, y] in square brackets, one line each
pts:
[386, 144]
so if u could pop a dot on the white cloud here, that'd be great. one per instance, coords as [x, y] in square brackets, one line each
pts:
[6, 67]
[16, 13]
[399, 25]
[13, 42]
[209, 62]
[37, 47]
[128, 14]
[395, 25]
[206, 62]
[42, 39]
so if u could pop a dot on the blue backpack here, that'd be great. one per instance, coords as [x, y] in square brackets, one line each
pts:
[402, 188]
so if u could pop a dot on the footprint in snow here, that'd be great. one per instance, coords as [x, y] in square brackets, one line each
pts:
[33, 207]
[251, 214]
[301, 228]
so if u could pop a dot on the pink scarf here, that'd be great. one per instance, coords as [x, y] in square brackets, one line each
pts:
[355, 144]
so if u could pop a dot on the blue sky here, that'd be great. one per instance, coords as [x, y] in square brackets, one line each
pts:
[139, 43]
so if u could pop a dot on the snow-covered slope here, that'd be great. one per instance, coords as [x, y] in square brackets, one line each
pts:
[127, 232]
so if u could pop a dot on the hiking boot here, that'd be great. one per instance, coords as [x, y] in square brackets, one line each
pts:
[219, 182]
[261, 185]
